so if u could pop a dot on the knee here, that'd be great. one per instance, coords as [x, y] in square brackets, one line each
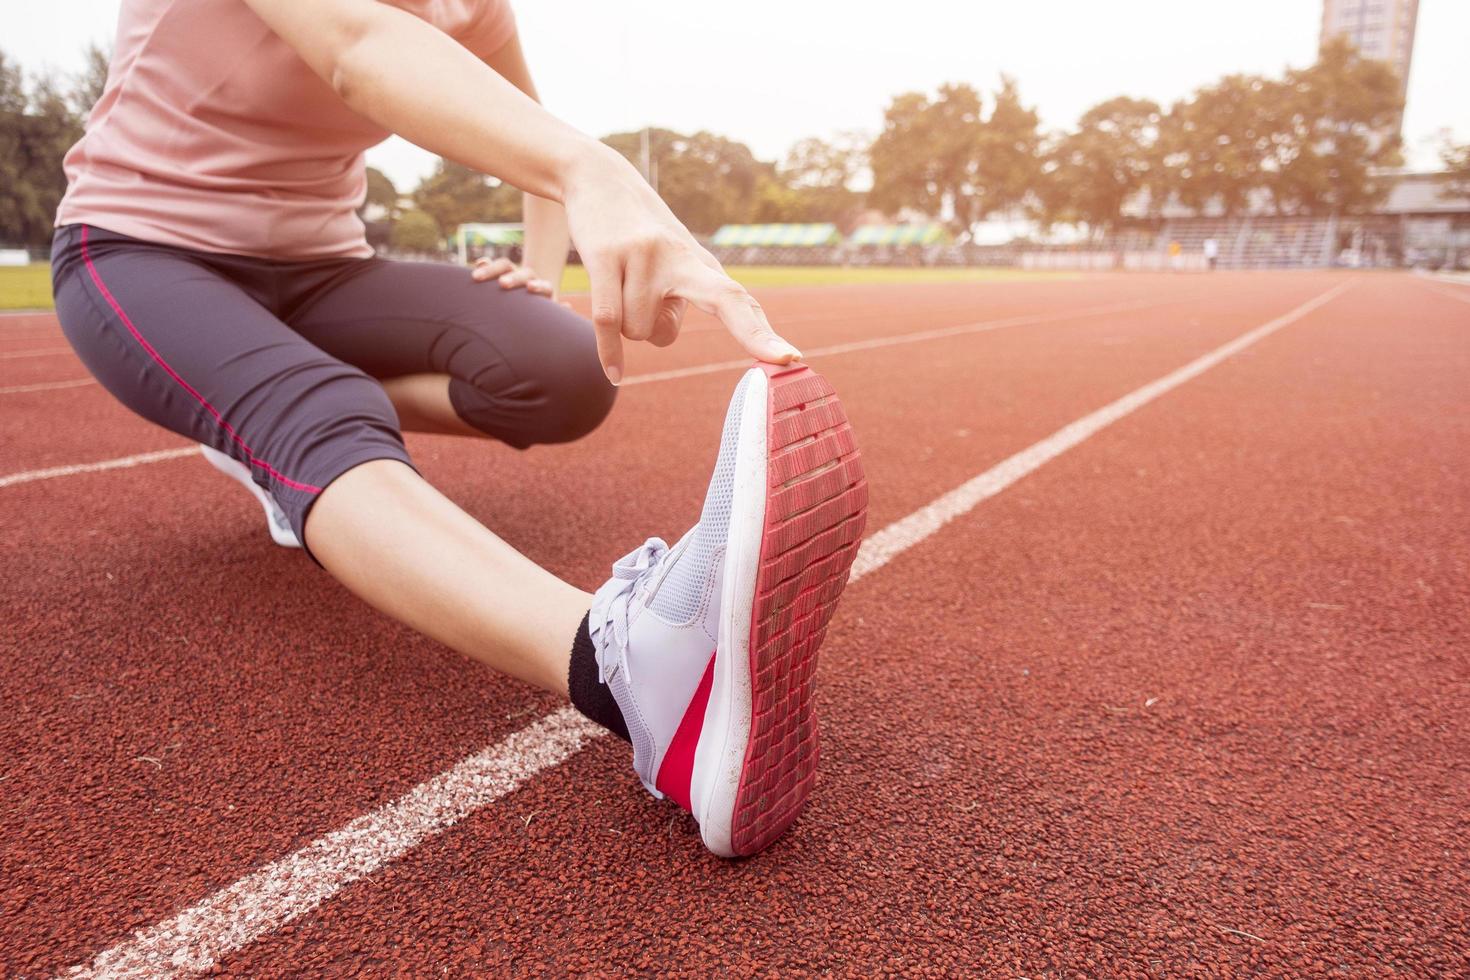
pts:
[572, 406]
[560, 406]
[575, 394]
[549, 386]
[579, 407]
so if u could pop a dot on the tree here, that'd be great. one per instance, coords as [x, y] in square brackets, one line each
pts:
[711, 181]
[924, 157]
[1009, 152]
[1457, 165]
[812, 183]
[777, 202]
[946, 156]
[1215, 146]
[661, 146]
[381, 194]
[88, 84]
[37, 127]
[16, 203]
[379, 208]
[814, 162]
[1112, 156]
[12, 87]
[417, 231]
[455, 194]
[1336, 122]
[705, 179]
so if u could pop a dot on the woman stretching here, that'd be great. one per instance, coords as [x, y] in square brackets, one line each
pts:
[211, 271]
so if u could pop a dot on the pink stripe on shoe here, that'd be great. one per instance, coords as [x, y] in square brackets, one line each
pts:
[677, 769]
[143, 341]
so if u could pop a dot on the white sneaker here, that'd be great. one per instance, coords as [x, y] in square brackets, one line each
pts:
[710, 648]
[275, 518]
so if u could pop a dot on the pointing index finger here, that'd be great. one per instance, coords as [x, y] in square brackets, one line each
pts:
[722, 296]
[607, 316]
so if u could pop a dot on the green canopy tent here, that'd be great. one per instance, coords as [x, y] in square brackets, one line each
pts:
[932, 233]
[480, 235]
[783, 236]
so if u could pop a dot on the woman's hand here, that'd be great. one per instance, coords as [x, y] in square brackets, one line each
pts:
[645, 267]
[511, 276]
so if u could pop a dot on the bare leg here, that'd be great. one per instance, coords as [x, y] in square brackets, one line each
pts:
[422, 403]
[407, 550]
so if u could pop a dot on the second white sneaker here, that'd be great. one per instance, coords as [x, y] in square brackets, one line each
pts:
[275, 518]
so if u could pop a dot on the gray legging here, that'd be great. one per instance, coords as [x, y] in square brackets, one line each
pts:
[273, 362]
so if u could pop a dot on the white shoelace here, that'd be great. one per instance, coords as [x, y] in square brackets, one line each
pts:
[611, 606]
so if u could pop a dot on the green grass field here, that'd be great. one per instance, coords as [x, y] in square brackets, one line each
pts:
[25, 287]
[29, 287]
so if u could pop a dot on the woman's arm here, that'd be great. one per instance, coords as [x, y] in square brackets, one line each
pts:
[413, 79]
[547, 238]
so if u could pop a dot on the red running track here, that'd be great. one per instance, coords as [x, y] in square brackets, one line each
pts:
[1187, 699]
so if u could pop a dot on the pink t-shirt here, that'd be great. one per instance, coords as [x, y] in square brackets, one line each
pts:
[213, 134]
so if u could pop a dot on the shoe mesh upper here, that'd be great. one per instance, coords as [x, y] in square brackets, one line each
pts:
[681, 596]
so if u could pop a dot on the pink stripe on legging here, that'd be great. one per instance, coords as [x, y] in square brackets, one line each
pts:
[143, 341]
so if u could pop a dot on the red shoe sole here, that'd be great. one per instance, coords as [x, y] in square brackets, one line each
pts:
[816, 508]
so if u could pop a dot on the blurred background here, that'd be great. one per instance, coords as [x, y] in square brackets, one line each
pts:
[1130, 134]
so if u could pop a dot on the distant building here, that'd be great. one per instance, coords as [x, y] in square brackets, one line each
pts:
[1434, 224]
[1380, 29]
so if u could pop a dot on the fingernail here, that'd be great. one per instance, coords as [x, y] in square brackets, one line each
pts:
[615, 375]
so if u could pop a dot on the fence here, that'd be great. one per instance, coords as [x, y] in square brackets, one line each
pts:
[1258, 242]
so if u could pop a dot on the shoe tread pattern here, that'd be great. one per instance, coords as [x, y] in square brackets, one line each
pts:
[816, 508]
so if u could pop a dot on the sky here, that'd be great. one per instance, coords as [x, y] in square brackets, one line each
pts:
[770, 72]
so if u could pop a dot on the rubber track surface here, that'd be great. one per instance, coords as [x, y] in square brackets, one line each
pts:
[816, 506]
[1189, 700]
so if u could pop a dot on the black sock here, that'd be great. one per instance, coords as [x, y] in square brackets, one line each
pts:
[589, 695]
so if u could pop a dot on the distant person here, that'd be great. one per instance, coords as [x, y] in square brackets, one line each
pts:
[211, 271]
[1176, 256]
[1212, 253]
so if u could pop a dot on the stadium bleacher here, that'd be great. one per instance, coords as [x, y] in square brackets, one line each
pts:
[1257, 242]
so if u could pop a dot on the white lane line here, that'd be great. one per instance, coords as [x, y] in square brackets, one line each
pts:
[980, 326]
[48, 386]
[141, 459]
[42, 352]
[689, 372]
[781, 322]
[1454, 278]
[194, 939]
[903, 534]
[1462, 297]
